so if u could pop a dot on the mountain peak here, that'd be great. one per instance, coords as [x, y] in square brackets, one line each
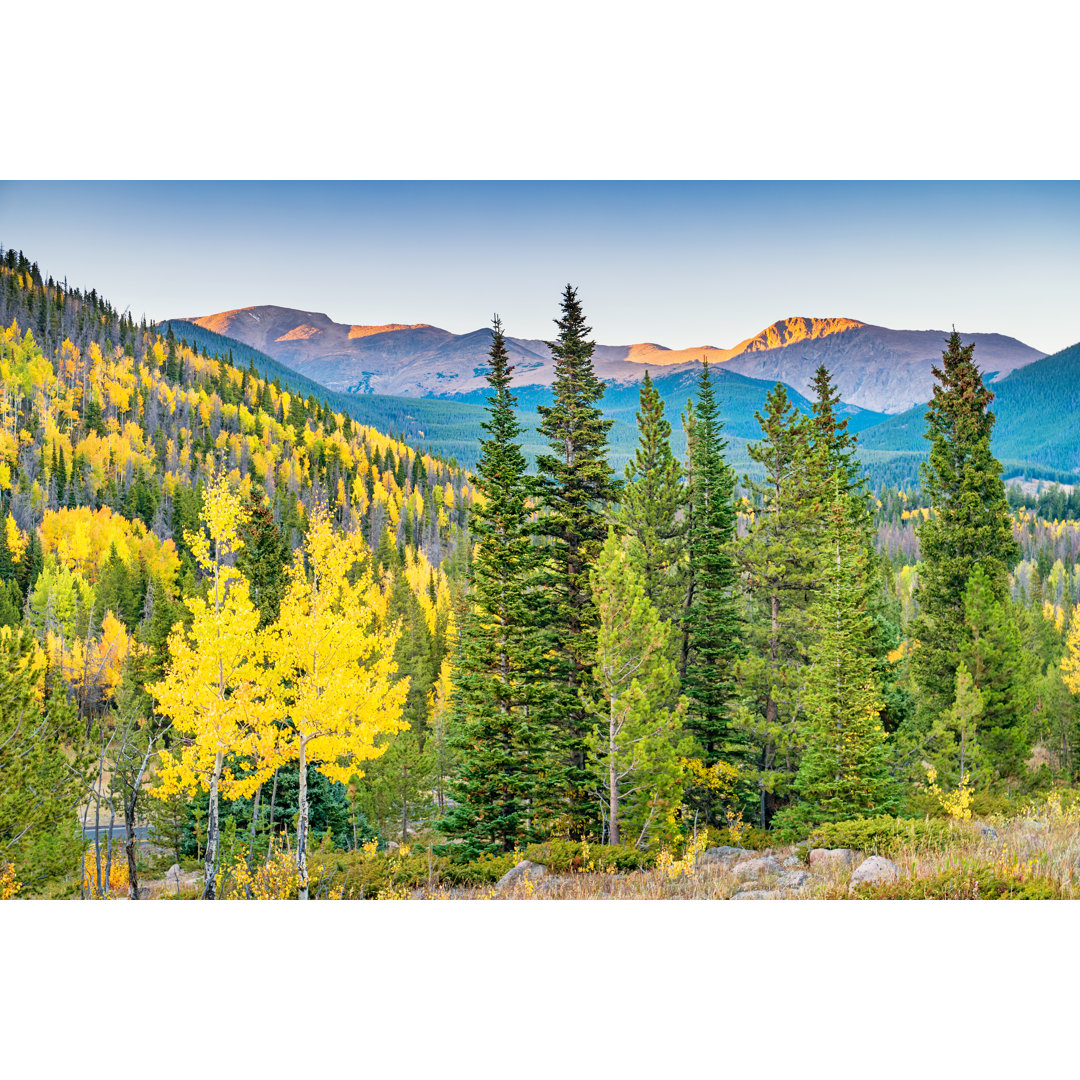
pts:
[793, 330]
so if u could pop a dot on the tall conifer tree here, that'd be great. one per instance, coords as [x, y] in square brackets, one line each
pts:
[652, 496]
[968, 524]
[712, 623]
[844, 771]
[576, 484]
[780, 558]
[497, 728]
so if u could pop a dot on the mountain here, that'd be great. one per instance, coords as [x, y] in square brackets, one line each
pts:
[450, 426]
[874, 367]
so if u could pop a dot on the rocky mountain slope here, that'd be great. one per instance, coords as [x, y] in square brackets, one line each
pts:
[874, 367]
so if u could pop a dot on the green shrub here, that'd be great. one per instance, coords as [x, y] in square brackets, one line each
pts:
[748, 837]
[484, 871]
[568, 856]
[974, 881]
[888, 835]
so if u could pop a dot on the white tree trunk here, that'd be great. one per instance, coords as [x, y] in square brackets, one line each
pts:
[302, 827]
[210, 863]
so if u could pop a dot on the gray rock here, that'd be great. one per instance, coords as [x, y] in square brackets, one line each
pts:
[754, 868]
[987, 831]
[794, 879]
[821, 858]
[875, 871]
[724, 856]
[533, 871]
[791, 862]
[758, 894]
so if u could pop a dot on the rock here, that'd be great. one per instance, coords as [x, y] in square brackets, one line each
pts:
[758, 894]
[791, 862]
[533, 871]
[794, 879]
[755, 868]
[822, 858]
[986, 831]
[144, 893]
[173, 875]
[724, 856]
[875, 871]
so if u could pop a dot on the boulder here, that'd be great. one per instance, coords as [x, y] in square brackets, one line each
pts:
[752, 869]
[724, 856]
[822, 858]
[875, 871]
[758, 894]
[986, 831]
[524, 869]
[793, 879]
[792, 862]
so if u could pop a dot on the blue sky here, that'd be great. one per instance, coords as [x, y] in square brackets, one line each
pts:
[678, 263]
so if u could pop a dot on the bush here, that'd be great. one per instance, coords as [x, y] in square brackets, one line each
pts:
[888, 835]
[974, 881]
[484, 871]
[569, 856]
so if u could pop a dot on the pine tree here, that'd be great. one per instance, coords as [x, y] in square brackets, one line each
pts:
[652, 496]
[844, 770]
[712, 623]
[780, 558]
[263, 560]
[1001, 672]
[575, 483]
[968, 524]
[497, 727]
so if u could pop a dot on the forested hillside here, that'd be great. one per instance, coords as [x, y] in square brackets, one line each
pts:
[110, 438]
[251, 647]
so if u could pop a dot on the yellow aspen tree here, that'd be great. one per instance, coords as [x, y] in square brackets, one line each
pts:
[217, 690]
[1070, 662]
[332, 651]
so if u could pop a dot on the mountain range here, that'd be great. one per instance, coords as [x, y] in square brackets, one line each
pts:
[874, 367]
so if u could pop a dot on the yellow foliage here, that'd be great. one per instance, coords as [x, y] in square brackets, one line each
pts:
[9, 883]
[101, 667]
[118, 881]
[275, 879]
[957, 804]
[217, 688]
[81, 539]
[16, 541]
[332, 653]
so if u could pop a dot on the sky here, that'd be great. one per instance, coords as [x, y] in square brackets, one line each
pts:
[682, 264]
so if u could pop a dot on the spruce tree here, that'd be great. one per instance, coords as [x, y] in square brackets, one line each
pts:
[497, 727]
[968, 524]
[780, 559]
[844, 769]
[713, 629]
[575, 484]
[652, 496]
[1002, 673]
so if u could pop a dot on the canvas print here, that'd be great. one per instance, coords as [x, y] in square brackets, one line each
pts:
[539, 541]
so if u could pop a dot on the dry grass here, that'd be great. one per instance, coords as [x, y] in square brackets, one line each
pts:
[1041, 846]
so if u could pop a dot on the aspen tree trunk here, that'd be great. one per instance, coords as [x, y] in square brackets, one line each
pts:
[613, 783]
[210, 864]
[302, 826]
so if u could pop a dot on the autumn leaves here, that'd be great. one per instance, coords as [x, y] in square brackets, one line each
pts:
[316, 687]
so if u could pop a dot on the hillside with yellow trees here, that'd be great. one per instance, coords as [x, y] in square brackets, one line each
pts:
[113, 441]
